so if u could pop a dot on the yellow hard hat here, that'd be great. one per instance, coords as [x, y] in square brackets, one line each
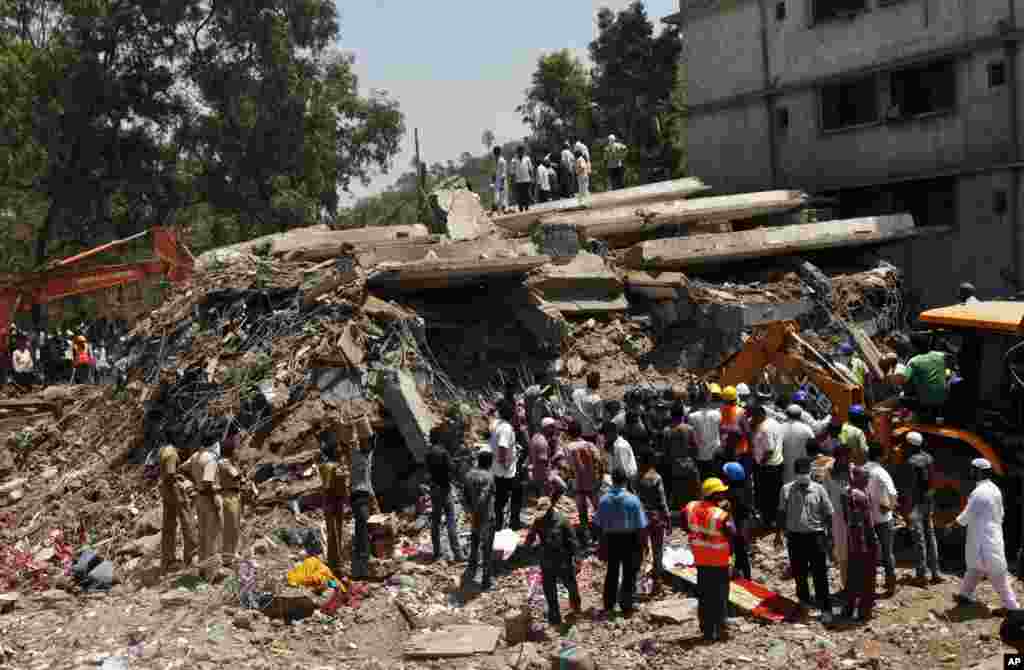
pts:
[712, 486]
[729, 394]
[714, 389]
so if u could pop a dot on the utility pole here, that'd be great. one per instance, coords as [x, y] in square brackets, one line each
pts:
[421, 181]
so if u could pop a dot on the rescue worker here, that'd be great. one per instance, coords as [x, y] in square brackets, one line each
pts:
[920, 504]
[846, 359]
[985, 552]
[734, 419]
[742, 516]
[768, 452]
[231, 482]
[478, 492]
[335, 491]
[558, 556]
[710, 528]
[202, 467]
[361, 487]
[852, 435]
[175, 490]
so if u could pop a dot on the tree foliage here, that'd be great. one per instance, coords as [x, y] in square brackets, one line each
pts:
[557, 104]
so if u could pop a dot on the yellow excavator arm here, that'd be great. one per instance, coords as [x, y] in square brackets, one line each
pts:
[779, 344]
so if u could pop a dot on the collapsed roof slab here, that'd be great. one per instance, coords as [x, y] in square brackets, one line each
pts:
[660, 191]
[702, 250]
[631, 220]
[442, 274]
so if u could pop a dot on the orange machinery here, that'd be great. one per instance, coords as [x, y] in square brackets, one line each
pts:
[60, 279]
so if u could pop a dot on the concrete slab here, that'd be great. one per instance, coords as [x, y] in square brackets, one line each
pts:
[459, 214]
[403, 401]
[453, 641]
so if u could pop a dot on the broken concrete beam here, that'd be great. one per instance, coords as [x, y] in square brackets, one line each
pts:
[697, 250]
[559, 240]
[316, 243]
[413, 252]
[451, 273]
[406, 406]
[661, 191]
[585, 285]
[658, 286]
[580, 305]
[629, 220]
[453, 641]
[734, 318]
[458, 214]
[544, 321]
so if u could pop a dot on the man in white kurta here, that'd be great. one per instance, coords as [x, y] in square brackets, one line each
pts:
[985, 552]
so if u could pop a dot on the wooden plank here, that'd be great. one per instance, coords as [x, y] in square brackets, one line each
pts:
[633, 219]
[578, 306]
[453, 641]
[696, 250]
[661, 191]
[750, 597]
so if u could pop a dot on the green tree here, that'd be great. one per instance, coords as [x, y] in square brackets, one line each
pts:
[488, 139]
[557, 104]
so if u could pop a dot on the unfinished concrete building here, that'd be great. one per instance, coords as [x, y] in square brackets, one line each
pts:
[883, 105]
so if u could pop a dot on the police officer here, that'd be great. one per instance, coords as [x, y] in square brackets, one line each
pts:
[203, 468]
[231, 482]
[335, 491]
[176, 492]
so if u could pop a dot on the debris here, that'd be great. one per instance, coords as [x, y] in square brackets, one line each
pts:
[453, 641]
[674, 611]
[7, 602]
[457, 213]
[405, 404]
[311, 573]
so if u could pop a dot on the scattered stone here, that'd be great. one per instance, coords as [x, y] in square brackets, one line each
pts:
[176, 598]
[55, 597]
[8, 602]
[675, 611]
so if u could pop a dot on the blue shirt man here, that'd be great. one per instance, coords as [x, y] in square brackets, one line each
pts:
[620, 516]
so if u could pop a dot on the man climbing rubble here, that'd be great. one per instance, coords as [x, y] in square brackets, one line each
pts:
[176, 491]
[478, 492]
[362, 493]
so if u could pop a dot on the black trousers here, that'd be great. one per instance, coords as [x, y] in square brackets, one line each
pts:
[807, 556]
[481, 548]
[769, 487]
[616, 177]
[361, 541]
[741, 553]
[624, 556]
[567, 180]
[543, 196]
[507, 489]
[523, 195]
[551, 574]
[713, 606]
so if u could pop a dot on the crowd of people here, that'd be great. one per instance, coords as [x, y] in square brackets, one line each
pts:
[85, 355]
[563, 173]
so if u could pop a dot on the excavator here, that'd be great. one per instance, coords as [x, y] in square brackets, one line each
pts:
[61, 279]
[983, 341]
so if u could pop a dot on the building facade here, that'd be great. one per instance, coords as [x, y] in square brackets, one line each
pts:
[883, 105]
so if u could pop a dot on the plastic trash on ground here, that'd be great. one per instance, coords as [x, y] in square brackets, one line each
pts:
[311, 573]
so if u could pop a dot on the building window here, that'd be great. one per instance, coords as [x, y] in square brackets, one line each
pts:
[782, 118]
[999, 202]
[780, 11]
[825, 10]
[996, 74]
[849, 103]
[924, 89]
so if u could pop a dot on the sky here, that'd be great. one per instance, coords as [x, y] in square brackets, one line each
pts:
[459, 67]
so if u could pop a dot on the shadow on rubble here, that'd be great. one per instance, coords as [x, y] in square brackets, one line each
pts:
[961, 613]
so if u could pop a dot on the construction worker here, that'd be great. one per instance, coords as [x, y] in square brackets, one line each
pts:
[175, 490]
[362, 494]
[202, 468]
[734, 419]
[231, 482]
[335, 492]
[710, 529]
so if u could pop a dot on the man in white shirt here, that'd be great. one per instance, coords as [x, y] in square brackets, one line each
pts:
[621, 452]
[768, 454]
[882, 492]
[707, 426]
[522, 170]
[503, 445]
[588, 409]
[544, 175]
[616, 166]
[23, 363]
[567, 171]
[796, 435]
[500, 182]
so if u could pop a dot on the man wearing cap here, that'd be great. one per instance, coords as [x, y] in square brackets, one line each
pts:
[985, 551]
[921, 504]
[710, 528]
[796, 435]
[883, 495]
[734, 420]
[707, 425]
[541, 446]
[853, 437]
[741, 515]
[558, 556]
[806, 514]
[621, 518]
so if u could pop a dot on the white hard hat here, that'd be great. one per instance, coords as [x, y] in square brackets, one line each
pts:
[915, 438]
[794, 411]
[611, 138]
[742, 389]
[981, 464]
[547, 421]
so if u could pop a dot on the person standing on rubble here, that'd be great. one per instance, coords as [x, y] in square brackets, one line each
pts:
[742, 517]
[734, 419]
[203, 469]
[500, 182]
[883, 495]
[503, 446]
[796, 435]
[681, 453]
[920, 504]
[620, 515]
[985, 552]
[852, 435]
[588, 408]
[231, 484]
[334, 488]
[801, 399]
[862, 547]
[710, 528]
[522, 171]
[558, 556]
[586, 463]
[805, 511]
[175, 490]
[769, 455]
[707, 424]
[621, 453]
[567, 171]
[23, 363]
[361, 486]
[479, 493]
[837, 481]
[582, 175]
[440, 469]
[651, 490]
[541, 446]
[616, 155]
[545, 175]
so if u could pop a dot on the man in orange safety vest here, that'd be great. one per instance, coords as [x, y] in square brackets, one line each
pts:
[710, 528]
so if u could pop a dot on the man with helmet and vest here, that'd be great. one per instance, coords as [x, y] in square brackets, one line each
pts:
[734, 420]
[710, 528]
[853, 437]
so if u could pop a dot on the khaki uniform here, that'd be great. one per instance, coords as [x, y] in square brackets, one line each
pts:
[176, 492]
[230, 490]
[335, 492]
[202, 466]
